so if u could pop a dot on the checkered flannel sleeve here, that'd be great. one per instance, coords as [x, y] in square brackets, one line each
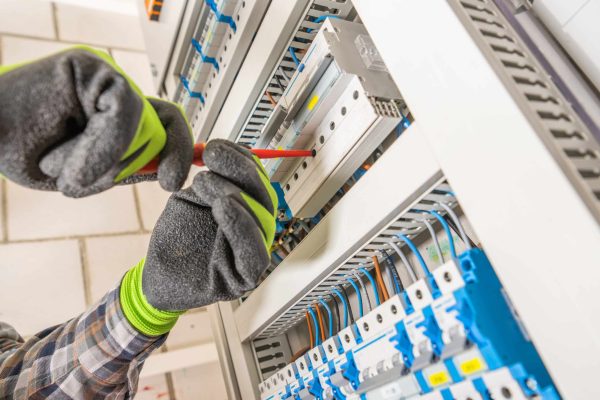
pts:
[97, 355]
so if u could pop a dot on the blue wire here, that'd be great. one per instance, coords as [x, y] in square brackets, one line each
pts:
[338, 294]
[204, 57]
[448, 232]
[314, 318]
[417, 253]
[368, 275]
[330, 316]
[357, 290]
[296, 61]
[220, 17]
[321, 19]
[191, 93]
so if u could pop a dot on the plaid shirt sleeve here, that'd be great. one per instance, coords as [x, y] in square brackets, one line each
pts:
[97, 355]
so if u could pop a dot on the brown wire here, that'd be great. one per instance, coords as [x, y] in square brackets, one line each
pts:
[379, 278]
[310, 331]
[271, 99]
[321, 325]
[299, 353]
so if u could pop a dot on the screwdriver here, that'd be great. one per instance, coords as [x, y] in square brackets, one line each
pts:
[152, 166]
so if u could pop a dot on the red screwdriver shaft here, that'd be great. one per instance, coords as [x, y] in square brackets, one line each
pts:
[152, 166]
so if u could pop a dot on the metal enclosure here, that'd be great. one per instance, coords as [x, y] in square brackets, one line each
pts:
[482, 117]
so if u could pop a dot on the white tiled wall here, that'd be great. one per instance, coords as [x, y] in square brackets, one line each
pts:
[59, 255]
[27, 17]
[76, 24]
[39, 215]
[41, 284]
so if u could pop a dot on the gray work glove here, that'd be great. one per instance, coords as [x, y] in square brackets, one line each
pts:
[211, 243]
[74, 122]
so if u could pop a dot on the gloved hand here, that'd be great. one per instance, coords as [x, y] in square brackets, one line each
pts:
[74, 122]
[211, 243]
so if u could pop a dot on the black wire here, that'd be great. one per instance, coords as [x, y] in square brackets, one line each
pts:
[364, 289]
[455, 229]
[337, 312]
[392, 267]
[349, 305]
[279, 84]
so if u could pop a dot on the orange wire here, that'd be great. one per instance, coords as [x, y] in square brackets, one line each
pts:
[321, 325]
[271, 99]
[310, 331]
[299, 353]
[379, 278]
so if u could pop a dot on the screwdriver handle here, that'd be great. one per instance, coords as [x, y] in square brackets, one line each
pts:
[152, 166]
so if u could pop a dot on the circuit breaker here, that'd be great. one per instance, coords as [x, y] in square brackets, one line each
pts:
[442, 242]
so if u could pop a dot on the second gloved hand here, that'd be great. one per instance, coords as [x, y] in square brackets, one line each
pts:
[211, 243]
[74, 122]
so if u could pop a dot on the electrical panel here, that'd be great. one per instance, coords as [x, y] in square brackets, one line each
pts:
[422, 252]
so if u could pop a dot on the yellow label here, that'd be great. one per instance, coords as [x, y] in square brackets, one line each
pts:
[471, 366]
[439, 378]
[313, 102]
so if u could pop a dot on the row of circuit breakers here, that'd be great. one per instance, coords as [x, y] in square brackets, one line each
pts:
[451, 334]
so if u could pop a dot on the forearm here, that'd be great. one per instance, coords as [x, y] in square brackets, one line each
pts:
[93, 356]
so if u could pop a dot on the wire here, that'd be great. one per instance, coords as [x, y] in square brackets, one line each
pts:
[357, 290]
[295, 59]
[314, 319]
[350, 312]
[337, 312]
[391, 276]
[379, 277]
[455, 229]
[321, 326]
[271, 99]
[398, 287]
[364, 289]
[435, 240]
[417, 253]
[330, 315]
[228, 19]
[407, 264]
[320, 19]
[368, 275]
[285, 77]
[337, 292]
[448, 232]
[299, 353]
[279, 83]
[204, 57]
[456, 220]
[310, 331]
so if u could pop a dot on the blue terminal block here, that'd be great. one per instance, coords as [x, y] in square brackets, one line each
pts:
[490, 322]
[465, 338]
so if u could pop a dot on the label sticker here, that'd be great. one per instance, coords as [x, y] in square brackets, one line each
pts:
[439, 378]
[471, 366]
[313, 102]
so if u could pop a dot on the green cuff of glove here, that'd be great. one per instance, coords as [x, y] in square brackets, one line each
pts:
[142, 315]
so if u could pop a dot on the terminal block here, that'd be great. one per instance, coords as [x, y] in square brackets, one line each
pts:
[341, 102]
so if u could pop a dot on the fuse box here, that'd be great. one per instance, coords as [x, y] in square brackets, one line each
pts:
[442, 243]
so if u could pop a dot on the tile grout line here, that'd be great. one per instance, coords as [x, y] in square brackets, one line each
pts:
[21, 36]
[77, 237]
[4, 210]
[138, 208]
[55, 21]
[85, 272]
[170, 385]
